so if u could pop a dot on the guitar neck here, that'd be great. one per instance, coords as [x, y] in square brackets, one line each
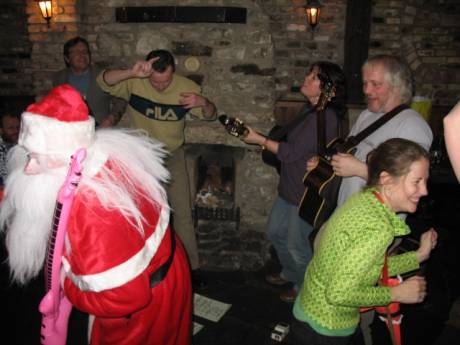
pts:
[327, 89]
[321, 132]
[51, 250]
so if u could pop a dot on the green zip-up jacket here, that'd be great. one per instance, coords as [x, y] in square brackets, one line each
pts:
[343, 274]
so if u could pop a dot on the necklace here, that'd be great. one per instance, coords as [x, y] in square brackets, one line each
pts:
[379, 197]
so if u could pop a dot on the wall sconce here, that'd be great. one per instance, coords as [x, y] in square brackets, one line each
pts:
[46, 9]
[313, 9]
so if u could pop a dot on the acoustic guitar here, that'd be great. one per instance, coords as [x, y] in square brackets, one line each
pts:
[322, 184]
[319, 198]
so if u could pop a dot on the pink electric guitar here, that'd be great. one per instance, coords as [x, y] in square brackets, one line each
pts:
[54, 306]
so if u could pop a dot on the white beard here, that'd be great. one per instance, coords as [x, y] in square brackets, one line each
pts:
[27, 210]
[26, 213]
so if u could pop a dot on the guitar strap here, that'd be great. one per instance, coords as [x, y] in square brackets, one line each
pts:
[282, 131]
[390, 313]
[355, 140]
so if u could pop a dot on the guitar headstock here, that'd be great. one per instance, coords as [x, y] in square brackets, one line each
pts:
[234, 126]
[327, 93]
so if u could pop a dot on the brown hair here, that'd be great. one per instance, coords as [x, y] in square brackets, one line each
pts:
[72, 43]
[329, 71]
[395, 156]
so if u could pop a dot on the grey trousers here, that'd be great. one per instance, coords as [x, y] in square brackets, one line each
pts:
[179, 198]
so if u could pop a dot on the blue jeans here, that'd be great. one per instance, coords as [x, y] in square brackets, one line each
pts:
[288, 233]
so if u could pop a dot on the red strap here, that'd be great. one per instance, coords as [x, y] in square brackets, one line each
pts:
[394, 329]
[384, 278]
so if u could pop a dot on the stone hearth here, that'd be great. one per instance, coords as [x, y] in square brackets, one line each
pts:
[218, 177]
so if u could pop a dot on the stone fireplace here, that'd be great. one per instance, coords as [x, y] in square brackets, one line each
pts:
[232, 191]
[233, 61]
[214, 180]
[214, 172]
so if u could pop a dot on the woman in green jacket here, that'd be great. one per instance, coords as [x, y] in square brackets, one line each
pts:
[343, 274]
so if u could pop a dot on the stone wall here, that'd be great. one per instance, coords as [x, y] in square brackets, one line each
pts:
[15, 50]
[297, 46]
[427, 35]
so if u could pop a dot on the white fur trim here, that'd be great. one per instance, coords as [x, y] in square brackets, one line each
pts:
[94, 161]
[45, 135]
[128, 270]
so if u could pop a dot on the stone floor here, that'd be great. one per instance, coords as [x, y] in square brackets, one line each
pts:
[256, 307]
[255, 311]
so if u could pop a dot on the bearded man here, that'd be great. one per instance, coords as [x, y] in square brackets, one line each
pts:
[121, 264]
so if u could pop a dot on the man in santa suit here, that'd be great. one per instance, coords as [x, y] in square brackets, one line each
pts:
[122, 264]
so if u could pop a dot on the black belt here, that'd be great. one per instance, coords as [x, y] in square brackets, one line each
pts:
[161, 272]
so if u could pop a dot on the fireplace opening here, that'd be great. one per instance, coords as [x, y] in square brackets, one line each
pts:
[218, 182]
[214, 179]
[215, 187]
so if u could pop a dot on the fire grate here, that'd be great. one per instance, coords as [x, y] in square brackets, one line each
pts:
[217, 213]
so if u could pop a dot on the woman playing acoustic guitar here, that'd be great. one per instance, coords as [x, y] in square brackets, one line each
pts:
[324, 89]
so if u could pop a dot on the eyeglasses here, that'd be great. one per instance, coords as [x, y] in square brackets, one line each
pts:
[75, 52]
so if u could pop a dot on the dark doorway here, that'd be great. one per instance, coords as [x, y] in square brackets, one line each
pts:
[356, 48]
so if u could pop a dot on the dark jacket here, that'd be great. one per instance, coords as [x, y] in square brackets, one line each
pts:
[100, 103]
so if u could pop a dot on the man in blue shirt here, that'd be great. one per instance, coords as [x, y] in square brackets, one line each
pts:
[81, 74]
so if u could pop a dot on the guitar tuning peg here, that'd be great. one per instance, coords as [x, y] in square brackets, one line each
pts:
[223, 119]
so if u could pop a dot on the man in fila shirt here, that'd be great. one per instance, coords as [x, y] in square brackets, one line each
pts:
[158, 101]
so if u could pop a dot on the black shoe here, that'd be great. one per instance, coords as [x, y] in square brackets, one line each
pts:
[289, 296]
[198, 280]
[276, 279]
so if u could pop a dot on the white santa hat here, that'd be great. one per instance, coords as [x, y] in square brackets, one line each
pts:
[59, 124]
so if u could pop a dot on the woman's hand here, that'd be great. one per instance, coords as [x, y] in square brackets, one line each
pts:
[410, 291]
[252, 137]
[428, 242]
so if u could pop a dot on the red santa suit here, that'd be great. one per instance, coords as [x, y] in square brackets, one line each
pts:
[109, 258]
[109, 264]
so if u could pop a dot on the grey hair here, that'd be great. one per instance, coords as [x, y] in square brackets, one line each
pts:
[397, 74]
